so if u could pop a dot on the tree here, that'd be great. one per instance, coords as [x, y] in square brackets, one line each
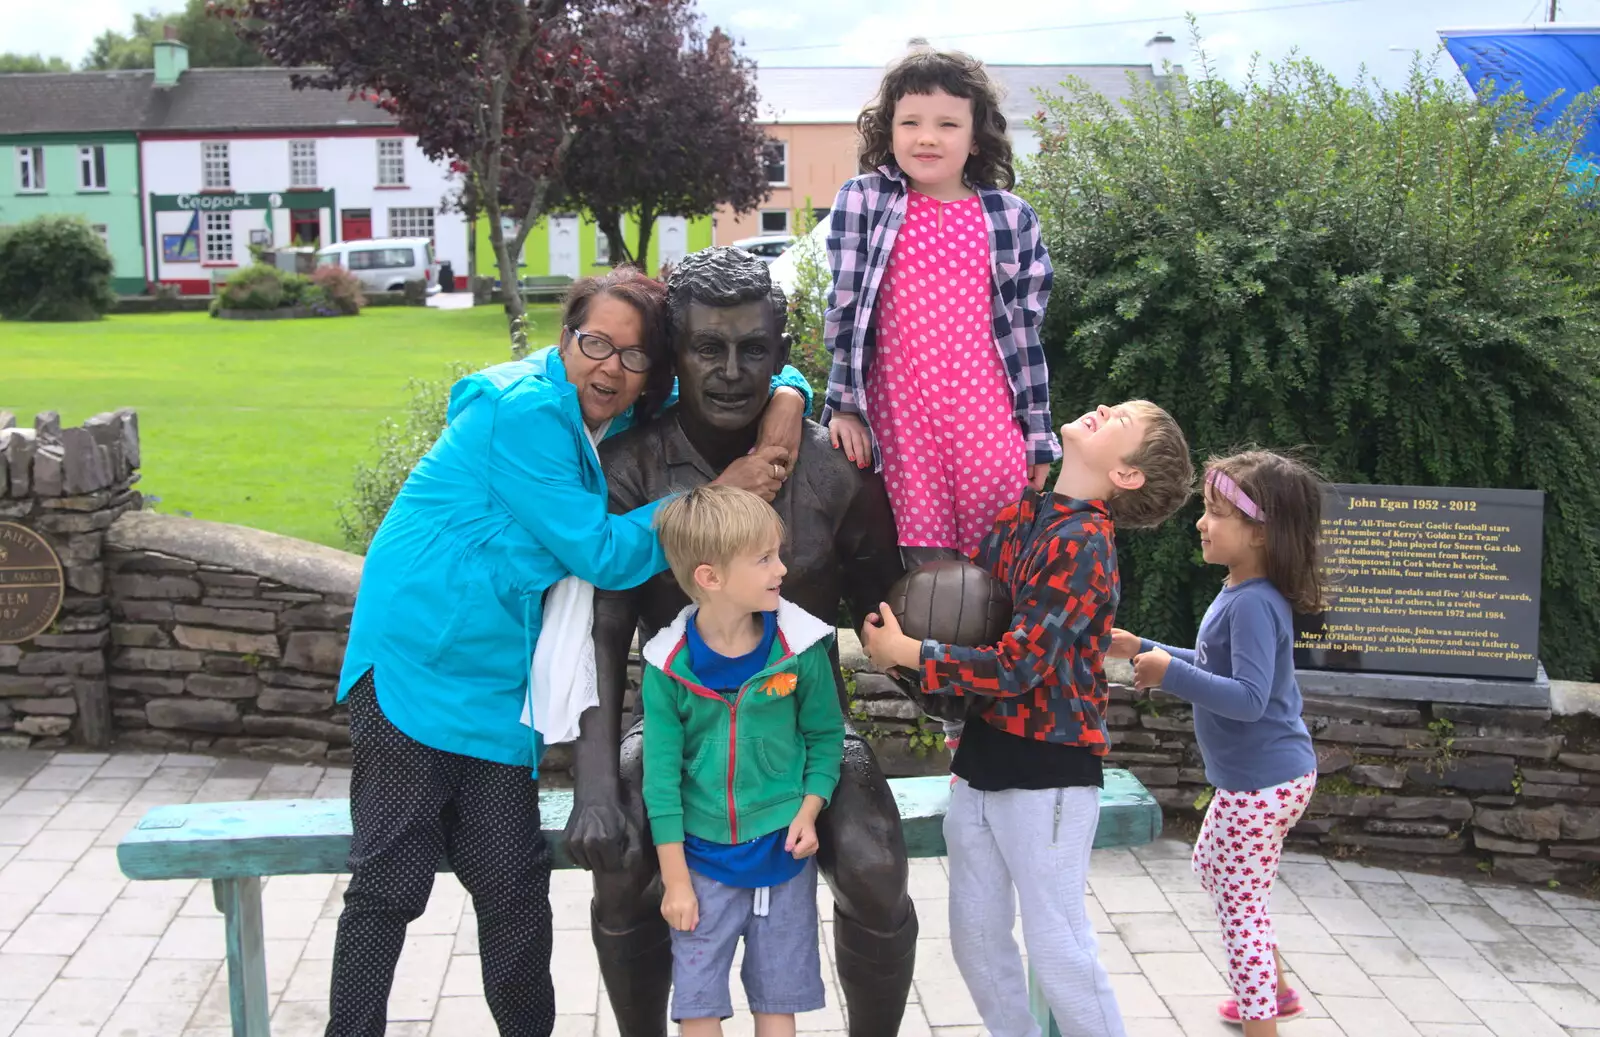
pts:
[1404, 279]
[13, 62]
[212, 42]
[497, 86]
[683, 137]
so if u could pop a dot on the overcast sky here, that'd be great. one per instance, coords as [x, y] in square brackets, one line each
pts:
[1341, 34]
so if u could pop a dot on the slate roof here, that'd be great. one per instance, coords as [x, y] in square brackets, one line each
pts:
[232, 99]
[836, 95]
[204, 100]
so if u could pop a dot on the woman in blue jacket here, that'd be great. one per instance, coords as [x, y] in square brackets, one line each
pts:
[509, 501]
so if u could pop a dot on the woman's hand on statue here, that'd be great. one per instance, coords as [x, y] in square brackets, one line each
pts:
[848, 433]
[680, 907]
[761, 472]
[782, 423]
[886, 644]
[1123, 644]
[1037, 474]
[1150, 668]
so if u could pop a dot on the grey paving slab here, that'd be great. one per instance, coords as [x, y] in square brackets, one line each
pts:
[1373, 951]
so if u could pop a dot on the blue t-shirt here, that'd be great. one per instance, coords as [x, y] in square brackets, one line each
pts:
[762, 861]
[1240, 679]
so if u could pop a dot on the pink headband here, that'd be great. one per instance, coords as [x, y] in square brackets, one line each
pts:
[1216, 480]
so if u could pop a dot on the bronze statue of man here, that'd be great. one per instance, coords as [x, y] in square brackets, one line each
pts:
[728, 341]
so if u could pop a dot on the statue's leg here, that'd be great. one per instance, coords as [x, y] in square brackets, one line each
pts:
[630, 936]
[863, 856]
[914, 557]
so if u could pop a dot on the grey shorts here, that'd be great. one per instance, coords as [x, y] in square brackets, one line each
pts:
[782, 970]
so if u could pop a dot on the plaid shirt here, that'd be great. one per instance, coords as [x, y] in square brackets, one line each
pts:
[867, 215]
[1047, 674]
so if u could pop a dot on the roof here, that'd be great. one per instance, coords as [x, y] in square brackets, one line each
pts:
[209, 100]
[204, 100]
[74, 102]
[836, 94]
[255, 99]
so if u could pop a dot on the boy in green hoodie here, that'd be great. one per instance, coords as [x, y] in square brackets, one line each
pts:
[743, 739]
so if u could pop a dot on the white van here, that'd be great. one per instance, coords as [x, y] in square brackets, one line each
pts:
[385, 264]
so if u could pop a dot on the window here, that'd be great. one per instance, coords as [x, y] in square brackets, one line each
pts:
[775, 156]
[602, 248]
[214, 170]
[305, 226]
[30, 169]
[92, 167]
[219, 237]
[101, 233]
[302, 163]
[391, 163]
[411, 223]
[774, 221]
[382, 259]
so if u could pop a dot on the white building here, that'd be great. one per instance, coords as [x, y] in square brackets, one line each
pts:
[235, 157]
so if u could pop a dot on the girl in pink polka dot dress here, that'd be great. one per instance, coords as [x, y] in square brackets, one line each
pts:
[940, 280]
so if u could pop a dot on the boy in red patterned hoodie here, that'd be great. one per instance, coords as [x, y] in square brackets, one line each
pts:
[1026, 798]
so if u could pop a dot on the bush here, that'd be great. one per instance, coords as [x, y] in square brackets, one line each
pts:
[415, 292]
[400, 445]
[54, 268]
[294, 289]
[257, 287]
[342, 288]
[1400, 277]
[808, 302]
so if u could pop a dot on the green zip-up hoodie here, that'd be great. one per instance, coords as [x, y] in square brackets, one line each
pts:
[731, 771]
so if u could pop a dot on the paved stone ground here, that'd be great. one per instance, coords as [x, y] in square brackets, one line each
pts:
[1376, 953]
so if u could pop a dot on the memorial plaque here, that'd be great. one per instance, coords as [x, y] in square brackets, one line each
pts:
[1428, 580]
[30, 583]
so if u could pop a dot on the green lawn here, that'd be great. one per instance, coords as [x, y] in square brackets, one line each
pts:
[259, 423]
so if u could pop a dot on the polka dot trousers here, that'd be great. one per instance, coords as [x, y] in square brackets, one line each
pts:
[410, 807]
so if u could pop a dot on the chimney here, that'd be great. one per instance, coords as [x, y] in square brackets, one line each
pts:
[172, 58]
[1162, 48]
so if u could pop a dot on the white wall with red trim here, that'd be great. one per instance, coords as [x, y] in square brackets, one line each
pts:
[346, 164]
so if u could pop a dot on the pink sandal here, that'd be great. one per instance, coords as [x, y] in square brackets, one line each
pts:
[1289, 1007]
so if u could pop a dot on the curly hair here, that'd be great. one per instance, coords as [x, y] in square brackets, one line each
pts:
[923, 71]
[721, 276]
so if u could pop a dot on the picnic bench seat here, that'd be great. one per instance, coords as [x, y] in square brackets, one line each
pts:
[235, 845]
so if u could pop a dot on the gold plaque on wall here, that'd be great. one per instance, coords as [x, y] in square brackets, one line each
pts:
[31, 583]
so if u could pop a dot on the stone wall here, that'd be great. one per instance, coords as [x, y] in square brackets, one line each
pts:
[68, 485]
[227, 639]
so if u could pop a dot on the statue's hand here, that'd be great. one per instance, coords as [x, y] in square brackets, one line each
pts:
[603, 834]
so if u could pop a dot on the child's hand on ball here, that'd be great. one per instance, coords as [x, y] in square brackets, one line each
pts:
[886, 644]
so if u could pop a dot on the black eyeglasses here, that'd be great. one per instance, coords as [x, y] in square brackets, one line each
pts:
[598, 347]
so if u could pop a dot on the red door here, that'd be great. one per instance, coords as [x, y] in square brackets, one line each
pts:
[355, 225]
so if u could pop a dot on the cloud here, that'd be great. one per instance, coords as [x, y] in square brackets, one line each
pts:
[38, 26]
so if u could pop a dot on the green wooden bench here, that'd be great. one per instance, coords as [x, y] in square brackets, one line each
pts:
[545, 288]
[235, 845]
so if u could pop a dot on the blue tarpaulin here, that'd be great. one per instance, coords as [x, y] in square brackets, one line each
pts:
[1540, 60]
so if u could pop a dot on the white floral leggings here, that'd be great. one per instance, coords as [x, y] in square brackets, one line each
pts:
[1236, 857]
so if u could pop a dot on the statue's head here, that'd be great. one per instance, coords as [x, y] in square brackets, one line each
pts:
[727, 321]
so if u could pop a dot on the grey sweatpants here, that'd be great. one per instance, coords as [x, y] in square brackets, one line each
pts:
[1032, 846]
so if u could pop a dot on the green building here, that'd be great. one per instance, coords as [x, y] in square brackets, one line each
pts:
[70, 148]
[571, 245]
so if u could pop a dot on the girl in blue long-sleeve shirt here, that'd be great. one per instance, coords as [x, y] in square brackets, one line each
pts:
[1262, 518]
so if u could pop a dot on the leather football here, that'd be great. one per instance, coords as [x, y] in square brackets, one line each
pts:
[953, 602]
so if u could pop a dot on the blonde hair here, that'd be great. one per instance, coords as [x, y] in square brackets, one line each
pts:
[1163, 457]
[712, 525]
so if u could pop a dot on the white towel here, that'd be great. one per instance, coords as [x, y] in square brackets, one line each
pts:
[562, 683]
